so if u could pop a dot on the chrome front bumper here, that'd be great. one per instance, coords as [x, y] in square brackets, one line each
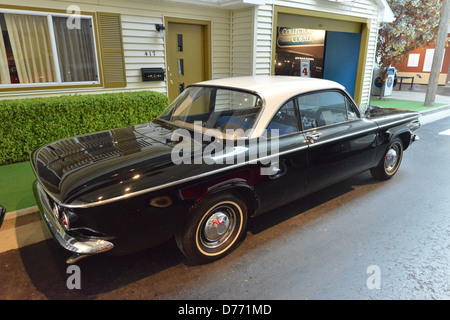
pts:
[79, 247]
[413, 126]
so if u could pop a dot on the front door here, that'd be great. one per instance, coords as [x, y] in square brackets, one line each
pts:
[186, 56]
[341, 143]
[288, 181]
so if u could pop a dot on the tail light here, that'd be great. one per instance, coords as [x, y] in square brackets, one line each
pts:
[65, 221]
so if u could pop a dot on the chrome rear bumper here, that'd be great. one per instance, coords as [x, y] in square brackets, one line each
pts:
[2, 214]
[79, 247]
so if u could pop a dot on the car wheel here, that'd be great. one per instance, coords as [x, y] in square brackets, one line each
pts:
[214, 228]
[388, 167]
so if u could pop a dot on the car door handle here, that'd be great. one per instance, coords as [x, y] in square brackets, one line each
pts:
[312, 137]
[277, 169]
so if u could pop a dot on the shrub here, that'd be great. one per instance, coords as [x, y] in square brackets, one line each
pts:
[27, 124]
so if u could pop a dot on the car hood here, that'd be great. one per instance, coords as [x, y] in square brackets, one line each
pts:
[112, 164]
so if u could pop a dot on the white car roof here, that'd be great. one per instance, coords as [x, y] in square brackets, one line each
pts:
[275, 90]
[274, 86]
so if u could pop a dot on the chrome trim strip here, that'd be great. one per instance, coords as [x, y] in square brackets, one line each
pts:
[404, 120]
[137, 193]
[375, 129]
[87, 247]
[170, 184]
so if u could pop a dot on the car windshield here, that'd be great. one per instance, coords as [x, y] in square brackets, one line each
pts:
[215, 108]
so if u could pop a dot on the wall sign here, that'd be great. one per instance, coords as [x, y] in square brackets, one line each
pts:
[300, 52]
[428, 62]
[305, 70]
[413, 60]
[299, 37]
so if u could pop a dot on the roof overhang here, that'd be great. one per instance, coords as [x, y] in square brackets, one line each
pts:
[224, 4]
[386, 13]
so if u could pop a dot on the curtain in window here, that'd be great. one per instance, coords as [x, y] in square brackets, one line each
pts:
[4, 69]
[76, 51]
[31, 46]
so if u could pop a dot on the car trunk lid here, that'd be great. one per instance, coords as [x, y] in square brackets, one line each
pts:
[72, 168]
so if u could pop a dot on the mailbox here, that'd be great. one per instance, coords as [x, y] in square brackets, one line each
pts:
[153, 74]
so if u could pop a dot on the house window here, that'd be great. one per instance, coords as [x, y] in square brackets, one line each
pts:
[43, 49]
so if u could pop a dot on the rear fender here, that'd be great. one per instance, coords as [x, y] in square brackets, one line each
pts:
[237, 186]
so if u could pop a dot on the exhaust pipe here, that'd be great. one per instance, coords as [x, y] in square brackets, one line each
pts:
[76, 257]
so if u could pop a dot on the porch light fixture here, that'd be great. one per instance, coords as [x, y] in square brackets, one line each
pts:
[161, 29]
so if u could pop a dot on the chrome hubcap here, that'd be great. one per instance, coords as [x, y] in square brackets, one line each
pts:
[218, 226]
[391, 159]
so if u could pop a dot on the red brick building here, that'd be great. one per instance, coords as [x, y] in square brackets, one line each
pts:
[418, 65]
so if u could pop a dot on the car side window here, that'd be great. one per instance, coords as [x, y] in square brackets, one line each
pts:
[322, 109]
[351, 112]
[284, 120]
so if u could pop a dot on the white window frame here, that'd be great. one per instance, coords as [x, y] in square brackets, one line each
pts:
[58, 82]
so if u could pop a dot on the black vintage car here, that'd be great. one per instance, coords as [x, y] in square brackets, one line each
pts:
[223, 151]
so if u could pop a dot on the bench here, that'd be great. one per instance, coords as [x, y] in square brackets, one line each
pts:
[401, 82]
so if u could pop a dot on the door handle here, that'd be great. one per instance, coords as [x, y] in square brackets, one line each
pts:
[312, 137]
[277, 169]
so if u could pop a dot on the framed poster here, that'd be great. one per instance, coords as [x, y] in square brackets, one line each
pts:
[428, 62]
[305, 70]
[300, 52]
[413, 60]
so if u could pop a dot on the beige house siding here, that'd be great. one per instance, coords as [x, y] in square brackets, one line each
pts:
[143, 48]
[241, 37]
[242, 42]
[264, 25]
[143, 45]
[370, 63]
[361, 9]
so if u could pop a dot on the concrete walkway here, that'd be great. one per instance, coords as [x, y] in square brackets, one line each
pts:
[419, 92]
[22, 228]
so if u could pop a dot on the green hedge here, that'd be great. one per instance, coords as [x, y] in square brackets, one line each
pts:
[26, 124]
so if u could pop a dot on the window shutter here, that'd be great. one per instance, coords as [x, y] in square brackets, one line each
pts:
[111, 43]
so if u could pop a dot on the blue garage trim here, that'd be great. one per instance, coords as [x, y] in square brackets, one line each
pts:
[341, 58]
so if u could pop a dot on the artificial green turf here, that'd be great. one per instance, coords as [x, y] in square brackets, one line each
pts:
[402, 104]
[16, 186]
